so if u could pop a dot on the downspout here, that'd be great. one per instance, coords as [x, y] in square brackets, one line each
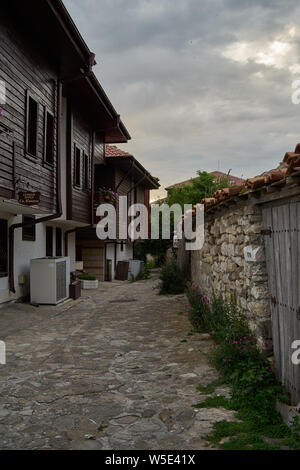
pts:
[77, 229]
[58, 213]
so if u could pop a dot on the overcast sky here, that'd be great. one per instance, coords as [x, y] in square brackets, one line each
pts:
[200, 84]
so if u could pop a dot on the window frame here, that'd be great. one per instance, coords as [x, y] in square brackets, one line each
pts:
[4, 222]
[75, 155]
[46, 113]
[86, 172]
[28, 237]
[31, 96]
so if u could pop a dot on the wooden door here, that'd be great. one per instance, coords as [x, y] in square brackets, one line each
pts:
[282, 244]
[93, 261]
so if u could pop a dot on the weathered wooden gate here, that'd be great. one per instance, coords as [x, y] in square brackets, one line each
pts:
[282, 243]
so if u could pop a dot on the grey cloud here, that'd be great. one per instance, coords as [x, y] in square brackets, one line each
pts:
[186, 105]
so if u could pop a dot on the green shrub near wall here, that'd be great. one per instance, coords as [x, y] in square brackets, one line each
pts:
[172, 279]
[254, 388]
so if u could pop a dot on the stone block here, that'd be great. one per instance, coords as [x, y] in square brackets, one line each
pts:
[261, 309]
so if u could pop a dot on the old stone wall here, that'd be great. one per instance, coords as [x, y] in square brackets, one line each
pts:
[232, 261]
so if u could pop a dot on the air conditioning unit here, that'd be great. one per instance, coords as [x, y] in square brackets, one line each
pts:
[49, 280]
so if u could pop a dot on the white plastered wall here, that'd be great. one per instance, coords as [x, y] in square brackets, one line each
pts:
[24, 251]
[126, 254]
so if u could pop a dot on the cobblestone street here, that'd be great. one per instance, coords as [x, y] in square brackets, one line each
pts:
[113, 370]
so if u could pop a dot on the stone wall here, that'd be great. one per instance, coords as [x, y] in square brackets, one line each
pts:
[232, 262]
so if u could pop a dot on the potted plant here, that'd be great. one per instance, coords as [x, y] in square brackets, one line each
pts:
[109, 195]
[88, 281]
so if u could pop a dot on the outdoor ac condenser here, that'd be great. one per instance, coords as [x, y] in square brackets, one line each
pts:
[49, 280]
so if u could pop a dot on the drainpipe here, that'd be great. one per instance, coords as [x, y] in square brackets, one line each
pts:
[58, 213]
[77, 229]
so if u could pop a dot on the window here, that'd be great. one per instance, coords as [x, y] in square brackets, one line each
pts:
[77, 167]
[122, 246]
[58, 244]
[31, 125]
[49, 138]
[86, 172]
[3, 247]
[28, 231]
[49, 241]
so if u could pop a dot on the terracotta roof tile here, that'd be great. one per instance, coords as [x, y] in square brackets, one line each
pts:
[290, 165]
[113, 151]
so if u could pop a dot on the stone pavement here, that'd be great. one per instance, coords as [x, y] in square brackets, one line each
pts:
[108, 371]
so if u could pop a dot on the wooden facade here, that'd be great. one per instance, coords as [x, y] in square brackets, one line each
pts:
[30, 78]
[54, 122]
[32, 64]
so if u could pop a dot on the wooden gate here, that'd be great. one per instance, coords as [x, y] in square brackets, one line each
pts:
[282, 243]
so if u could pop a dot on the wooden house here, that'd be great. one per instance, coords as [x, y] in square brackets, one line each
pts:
[121, 172]
[54, 122]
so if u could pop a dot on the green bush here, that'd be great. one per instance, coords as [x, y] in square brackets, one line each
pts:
[198, 308]
[87, 277]
[150, 264]
[254, 388]
[225, 321]
[172, 279]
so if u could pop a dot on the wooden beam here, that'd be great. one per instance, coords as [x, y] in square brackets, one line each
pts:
[287, 192]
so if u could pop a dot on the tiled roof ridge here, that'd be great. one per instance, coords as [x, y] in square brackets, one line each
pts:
[289, 165]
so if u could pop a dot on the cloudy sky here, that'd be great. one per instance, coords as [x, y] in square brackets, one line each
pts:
[200, 84]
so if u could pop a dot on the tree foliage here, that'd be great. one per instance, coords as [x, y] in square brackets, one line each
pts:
[204, 185]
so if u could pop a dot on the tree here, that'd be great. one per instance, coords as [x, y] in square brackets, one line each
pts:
[204, 185]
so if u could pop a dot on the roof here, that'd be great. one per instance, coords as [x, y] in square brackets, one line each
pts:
[49, 23]
[181, 184]
[218, 174]
[233, 179]
[129, 163]
[113, 151]
[286, 175]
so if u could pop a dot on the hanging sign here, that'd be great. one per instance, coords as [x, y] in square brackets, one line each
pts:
[29, 198]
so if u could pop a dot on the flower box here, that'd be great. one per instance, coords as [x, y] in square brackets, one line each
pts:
[89, 284]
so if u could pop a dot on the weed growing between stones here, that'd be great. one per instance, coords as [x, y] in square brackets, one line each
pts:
[210, 388]
[254, 388]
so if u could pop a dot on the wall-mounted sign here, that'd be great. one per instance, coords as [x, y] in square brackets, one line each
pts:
[29, 198]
